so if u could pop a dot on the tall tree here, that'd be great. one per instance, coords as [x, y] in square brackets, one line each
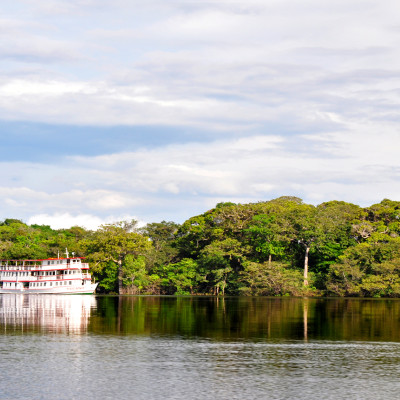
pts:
[303, 231]
[114, 242]
[266, 236]
[164, 250]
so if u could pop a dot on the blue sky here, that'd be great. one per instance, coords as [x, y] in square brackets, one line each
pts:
[161, 109]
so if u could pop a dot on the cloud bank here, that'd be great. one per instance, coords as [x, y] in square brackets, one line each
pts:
[270, 98]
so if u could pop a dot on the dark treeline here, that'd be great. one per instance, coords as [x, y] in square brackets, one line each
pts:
[279, 247]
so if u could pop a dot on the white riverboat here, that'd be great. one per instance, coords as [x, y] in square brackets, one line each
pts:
[49, 276]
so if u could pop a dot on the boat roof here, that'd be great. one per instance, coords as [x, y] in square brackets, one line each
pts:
[47, 259]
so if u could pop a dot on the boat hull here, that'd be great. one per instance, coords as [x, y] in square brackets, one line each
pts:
[85, 289]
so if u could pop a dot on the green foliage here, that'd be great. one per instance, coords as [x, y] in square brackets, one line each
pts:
[107, 275]
[368, 269]
[271, 279]
[344, 279]
[163, 250]
[262, 248]
[134, 272]
[113, 243]
[160, 233]
[180, 278]
[20, 241]
[266, 237]
[222, 260]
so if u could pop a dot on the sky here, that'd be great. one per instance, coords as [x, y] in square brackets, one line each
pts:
[160, 109]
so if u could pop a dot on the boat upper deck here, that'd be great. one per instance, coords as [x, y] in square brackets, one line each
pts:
[49, 264]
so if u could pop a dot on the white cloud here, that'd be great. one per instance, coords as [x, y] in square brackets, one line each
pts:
[272, 166]
[219, 64]
[66, 220]
[175, 181]
[42, 198]
[308, 91]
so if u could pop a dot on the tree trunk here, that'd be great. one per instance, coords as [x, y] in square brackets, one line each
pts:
[306, 266]
[305, 318]
[120, 288]
[119, 315]
[269, 259]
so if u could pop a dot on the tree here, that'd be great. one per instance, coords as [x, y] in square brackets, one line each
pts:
[334, 222]
[324, 232]
[194, 234]
[136, 277]
[181, 277]
[160, 233]
[220, 259]
[114, 242]
[367, 269]
[164, 251]
[266, 236]
[20, 241]
[232, 219]
[303, 231]
[270, 279]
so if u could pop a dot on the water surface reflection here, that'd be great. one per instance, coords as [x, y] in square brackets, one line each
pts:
[85, 347]
[249, 318]
[45, 313]
[204, 317]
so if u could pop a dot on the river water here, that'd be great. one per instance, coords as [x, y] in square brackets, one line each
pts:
[87, 347]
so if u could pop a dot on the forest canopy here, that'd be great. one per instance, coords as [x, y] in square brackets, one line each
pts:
[275, 248]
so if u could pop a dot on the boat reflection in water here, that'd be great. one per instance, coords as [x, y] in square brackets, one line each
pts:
[45, 313]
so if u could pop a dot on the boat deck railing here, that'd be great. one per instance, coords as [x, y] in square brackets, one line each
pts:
[43, 267]
[32, 278]
[61, 277]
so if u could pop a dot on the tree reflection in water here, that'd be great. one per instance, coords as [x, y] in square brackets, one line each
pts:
[245, 318]
[229, 318]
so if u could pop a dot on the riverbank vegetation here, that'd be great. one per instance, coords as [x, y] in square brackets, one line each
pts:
[279, 247]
